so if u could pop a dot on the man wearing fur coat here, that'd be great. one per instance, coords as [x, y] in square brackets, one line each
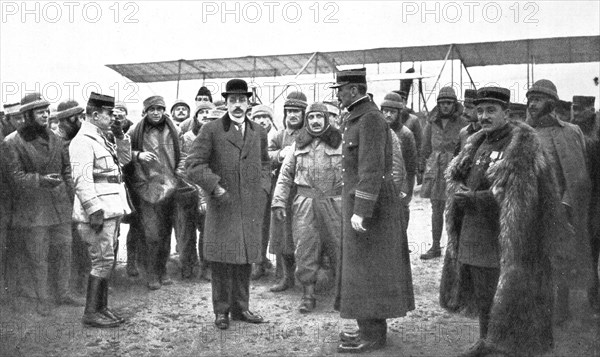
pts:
[502, 217]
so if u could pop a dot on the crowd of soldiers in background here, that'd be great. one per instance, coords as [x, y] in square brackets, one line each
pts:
[422, 154]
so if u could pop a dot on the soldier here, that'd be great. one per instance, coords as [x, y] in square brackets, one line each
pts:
[374, 277]
[334, 113]
[470, 115]
[229, 160]
[411, 121]
[200, 117]
[100, 200]
[503, 220]
[13, 119]
[440, 139]
[589, 123]
[180, 111]
[391, 108]
[563, 110]
[314, 167]
[203, 95]
[69, 115]
[282, 243]
[263, 115]
[42, 202]
[565, 144]
[518, 111]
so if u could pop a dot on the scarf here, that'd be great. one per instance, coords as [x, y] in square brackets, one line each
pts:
[330, 136]
[137, 136]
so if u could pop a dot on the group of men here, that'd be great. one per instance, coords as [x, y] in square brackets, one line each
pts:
[329, 191]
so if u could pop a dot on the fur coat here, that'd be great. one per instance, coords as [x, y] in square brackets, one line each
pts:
[532, 231]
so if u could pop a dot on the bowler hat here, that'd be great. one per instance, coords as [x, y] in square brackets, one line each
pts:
[236, 86]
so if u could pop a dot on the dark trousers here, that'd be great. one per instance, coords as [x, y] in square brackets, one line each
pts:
[437, 220]
[483, 283]
[186, 222]
[157, 223]
[372, 329]
[230, 287]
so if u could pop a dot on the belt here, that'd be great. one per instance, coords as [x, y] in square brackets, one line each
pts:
[109, 179]
[314, 193]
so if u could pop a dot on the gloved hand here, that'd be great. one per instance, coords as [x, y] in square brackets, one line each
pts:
[279, 213]
[221, 195]
[464, 199]
[97, 220]
[50, 180]
[117, 129]
[357, 223]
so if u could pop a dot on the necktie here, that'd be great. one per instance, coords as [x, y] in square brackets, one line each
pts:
[240, 128]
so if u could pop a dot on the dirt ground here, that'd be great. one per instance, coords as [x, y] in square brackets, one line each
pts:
[178, 320]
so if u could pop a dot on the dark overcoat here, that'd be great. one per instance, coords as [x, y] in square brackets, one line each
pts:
[34, 205]
[531, 240]
[220, 156]
[374, 277]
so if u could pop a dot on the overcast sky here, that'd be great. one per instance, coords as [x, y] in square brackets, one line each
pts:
[62, 47]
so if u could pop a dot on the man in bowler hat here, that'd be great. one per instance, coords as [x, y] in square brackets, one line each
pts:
[230, 161]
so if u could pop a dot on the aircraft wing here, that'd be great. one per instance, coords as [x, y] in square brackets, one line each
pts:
[541, 50]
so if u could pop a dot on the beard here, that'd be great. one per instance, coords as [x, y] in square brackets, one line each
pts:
[547, 108]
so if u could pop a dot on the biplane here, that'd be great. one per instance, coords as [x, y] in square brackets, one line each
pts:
[319, 67]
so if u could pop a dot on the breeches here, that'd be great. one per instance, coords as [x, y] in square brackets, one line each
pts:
[101, 246]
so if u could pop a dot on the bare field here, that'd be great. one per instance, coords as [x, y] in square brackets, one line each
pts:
[178, 320]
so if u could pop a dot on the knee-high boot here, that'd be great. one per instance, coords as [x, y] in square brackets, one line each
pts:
[91, 316]
[287, 281]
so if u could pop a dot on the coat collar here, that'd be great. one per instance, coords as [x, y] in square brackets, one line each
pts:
[235, 138]
[360, 109]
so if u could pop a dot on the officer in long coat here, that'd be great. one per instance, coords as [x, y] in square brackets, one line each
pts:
[371, 223]
[229, 160]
